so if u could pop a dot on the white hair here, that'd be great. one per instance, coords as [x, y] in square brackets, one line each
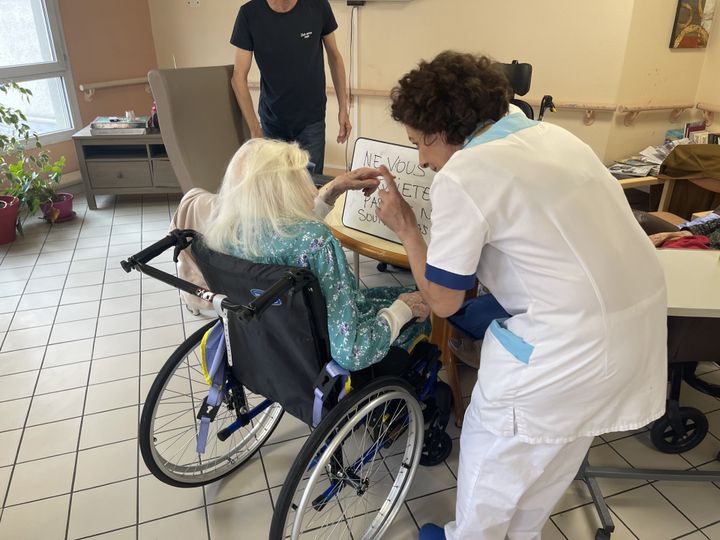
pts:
[265, 188]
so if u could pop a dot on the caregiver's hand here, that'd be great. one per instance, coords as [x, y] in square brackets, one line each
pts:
[392, 209]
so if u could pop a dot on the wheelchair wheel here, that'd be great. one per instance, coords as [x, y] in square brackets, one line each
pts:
[667, 439]
[355, 469]
[169, 424]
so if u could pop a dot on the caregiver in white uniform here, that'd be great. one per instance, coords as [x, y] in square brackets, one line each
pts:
[528, 209]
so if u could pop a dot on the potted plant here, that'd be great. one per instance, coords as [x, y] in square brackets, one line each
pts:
[27, 172]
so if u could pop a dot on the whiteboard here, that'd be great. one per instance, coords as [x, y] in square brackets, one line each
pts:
[412, 180]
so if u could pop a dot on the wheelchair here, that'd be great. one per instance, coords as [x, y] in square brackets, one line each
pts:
[222, 393]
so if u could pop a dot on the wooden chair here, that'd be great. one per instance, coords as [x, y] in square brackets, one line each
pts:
[710, 184]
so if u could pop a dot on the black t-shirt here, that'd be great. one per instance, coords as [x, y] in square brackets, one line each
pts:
[288, 49]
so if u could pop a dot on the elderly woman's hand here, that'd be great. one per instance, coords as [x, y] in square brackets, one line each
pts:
[364, 178]
[417, 305]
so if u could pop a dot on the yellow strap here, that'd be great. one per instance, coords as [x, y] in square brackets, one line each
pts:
[421, 337]
[203, 345]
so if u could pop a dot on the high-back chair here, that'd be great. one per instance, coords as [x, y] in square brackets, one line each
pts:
[200, 121]
[520, 76]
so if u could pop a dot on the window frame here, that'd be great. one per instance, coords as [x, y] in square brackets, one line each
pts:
[46, 70]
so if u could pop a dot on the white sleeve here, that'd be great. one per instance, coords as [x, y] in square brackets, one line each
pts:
[397, 315]
[321, 208]
[457, 235]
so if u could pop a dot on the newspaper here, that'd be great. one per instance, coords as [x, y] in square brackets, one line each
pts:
[647, 163]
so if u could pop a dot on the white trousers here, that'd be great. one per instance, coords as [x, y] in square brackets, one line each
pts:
[507, 488]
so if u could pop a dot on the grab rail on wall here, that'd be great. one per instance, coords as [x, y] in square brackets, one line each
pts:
[88, 89]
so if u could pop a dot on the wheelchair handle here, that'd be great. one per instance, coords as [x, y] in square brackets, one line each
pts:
[177, 238]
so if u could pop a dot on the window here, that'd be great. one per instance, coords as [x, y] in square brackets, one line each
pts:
[32, 53]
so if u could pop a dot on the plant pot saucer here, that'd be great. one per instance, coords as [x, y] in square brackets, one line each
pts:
[66, 218]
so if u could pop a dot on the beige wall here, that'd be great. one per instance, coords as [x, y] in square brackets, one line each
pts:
[106, 40]
[612, 52]
[709, 88]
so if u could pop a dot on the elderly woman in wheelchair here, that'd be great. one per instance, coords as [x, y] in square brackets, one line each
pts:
[294, 334]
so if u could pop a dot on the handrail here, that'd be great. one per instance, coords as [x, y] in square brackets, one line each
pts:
[632, 111]
[88, 89]
[708, 111]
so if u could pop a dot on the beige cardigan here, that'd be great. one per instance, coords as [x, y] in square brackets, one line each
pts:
[196, 206]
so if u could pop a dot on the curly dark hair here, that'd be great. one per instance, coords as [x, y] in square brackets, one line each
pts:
[452, 94]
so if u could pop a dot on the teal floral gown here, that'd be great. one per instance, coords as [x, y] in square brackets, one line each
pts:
[358, 336]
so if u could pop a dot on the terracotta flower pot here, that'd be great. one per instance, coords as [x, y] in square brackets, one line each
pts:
[8, 218]
[60, 209]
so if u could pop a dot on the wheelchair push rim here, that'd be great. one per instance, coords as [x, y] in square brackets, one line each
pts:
[337, 492]
[169, 424]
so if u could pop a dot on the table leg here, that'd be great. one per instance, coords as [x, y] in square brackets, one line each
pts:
[441, 331]
[356, 266]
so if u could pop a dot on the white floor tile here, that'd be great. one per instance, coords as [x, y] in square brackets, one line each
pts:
[191, 524]
[18, 385]
[45, 519]
[713, 532]
[81, 294]
[583, 522]
[634, 507]
[49, 439]
[9, 304]
[49, 270]
[639, 452]
[56, 406]
[33, 318]
[117, 324]
[109, 427]
[115, 275]
[44, 284]
[18, 261]
[116, 344]
[15, 274]
[152, 318]
[116, 306]
[76, 312]
[13, 413]
[19, 361]
[245, 480]
[83, 279]
[26, 338]
[151, 361]
[55, 379]
[699, 501]
[128, 533]
[118, 509]
[106, 464]
[121, 288]
[73, 331]
[57, 245]
[164, 336]
[9, 443]
[278, 459]
[111, 395]
[55, 257]
[92, 242]
[89, 253]
[87, 265]
[438, 508]
[227, 518]
[160, 299]
[114, 367]
[39, 300]
[41, 478]
[71, 352]
[13, 288]
[158, 499]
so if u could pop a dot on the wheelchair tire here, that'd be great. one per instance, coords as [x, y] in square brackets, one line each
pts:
[353, 473]
[667, 440]
[173, 401]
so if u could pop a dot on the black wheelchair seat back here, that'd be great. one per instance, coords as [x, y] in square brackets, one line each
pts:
[280, 353]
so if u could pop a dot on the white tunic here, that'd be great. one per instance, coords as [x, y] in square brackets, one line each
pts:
[532, 212]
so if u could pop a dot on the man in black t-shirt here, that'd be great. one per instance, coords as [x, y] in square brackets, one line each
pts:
[287, 39]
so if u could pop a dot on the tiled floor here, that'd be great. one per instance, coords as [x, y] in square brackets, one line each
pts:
[80, 342]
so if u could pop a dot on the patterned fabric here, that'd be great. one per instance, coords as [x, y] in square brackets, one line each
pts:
[358, 336]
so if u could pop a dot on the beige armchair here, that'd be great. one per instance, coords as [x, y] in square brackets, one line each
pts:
[200, 121]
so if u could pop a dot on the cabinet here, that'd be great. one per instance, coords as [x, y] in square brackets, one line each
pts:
[123, 164]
